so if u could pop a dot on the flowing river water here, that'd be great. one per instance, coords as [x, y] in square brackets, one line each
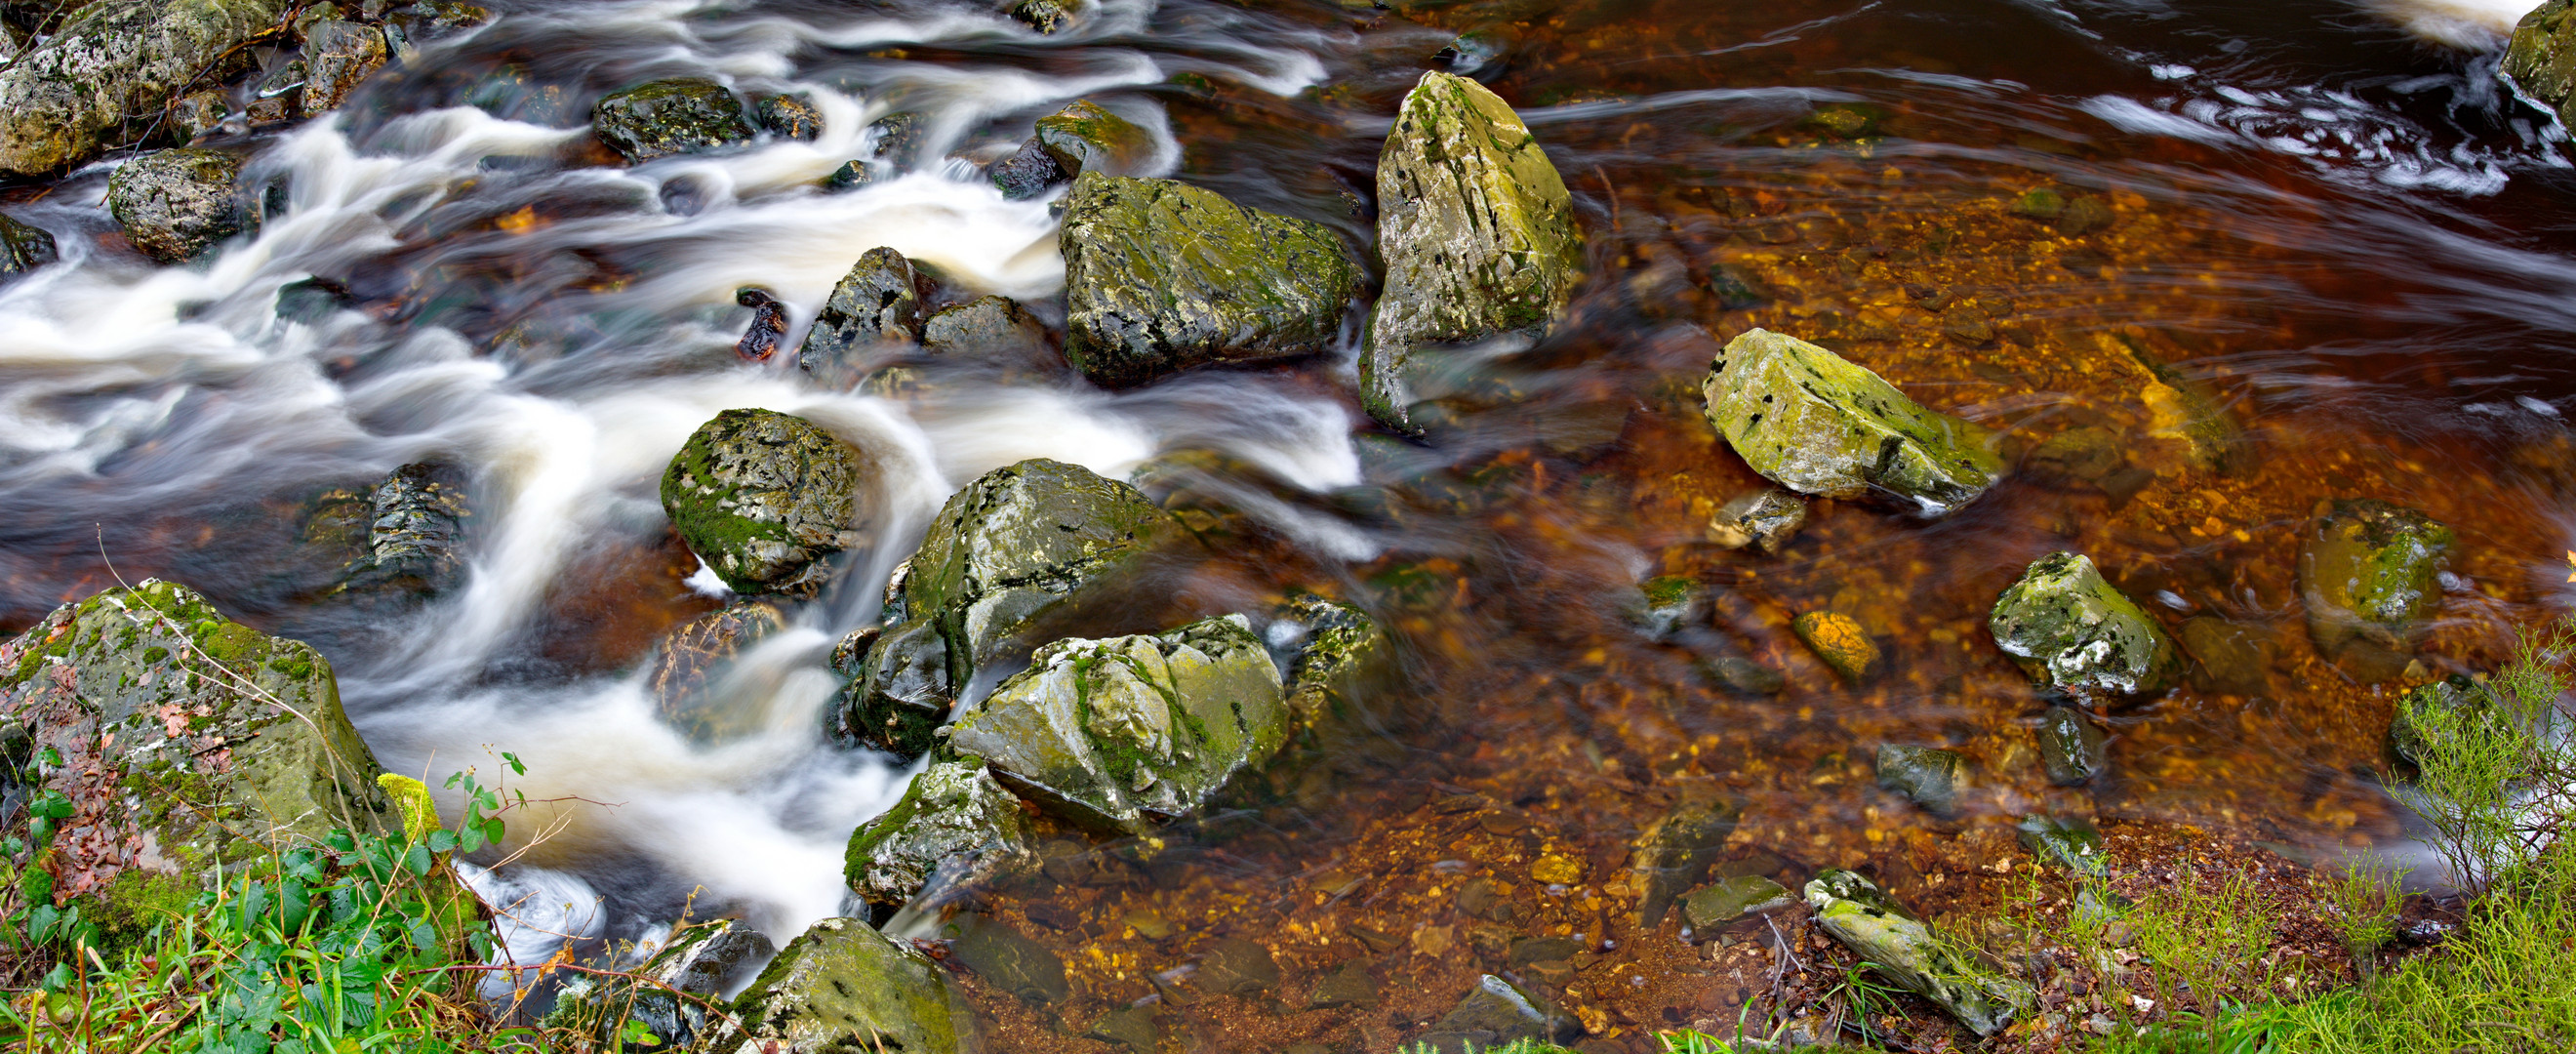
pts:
[2332, 219]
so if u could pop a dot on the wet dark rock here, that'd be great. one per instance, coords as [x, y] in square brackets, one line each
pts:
[1527, 950]
[1907, 951]
[876, 305]
[1046, 16]
[1665, 604]
[1235, 966]
[1674, 854]
[1494, 1013]
[1163, 276]
[1124, 733]
[199, 114]
[339, 55]
[1026, 174]
[1007, 959]
[1352, 985]
[1022, 546]
[78, 90]
[279, 96]
[415, 534]
[2071, 747]
[312, 300]
[1967, 323]
[1743, 676]
[1840, 641]
[23, 248]
[1084, 137]
[696, 653]
[1817, 424]
[407, 27]
[789, 117]
[1735, 288]
[1732, 899]
[2076, 457]
[1343, 658]
[764, 498]
[1132, 1028]
[1766, 520]
[987, 328]
[1476, 230]
[892, 141]
[175, 205]
[1931, 777]
[2073, 844]
[954, 828]
[841, 978]
[683, 115]
[171, 769]
[2541, 58]
[2234, 659]
[768, 324]
[2072, 632]
[1479, 53]
[707, 961]
[2368, 574]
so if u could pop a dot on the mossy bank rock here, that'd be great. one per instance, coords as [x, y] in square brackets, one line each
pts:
[1877, 928]
[1475, 228]
[23, 248]
[2541, 59]
[2369, 572]
[874, 308]
[684, 115]
[1016, 553]
[110, 70]
[841, 986]
[342, 55]
[1818, 424]
[1125, 733]
[186, 738]
[2074, 633]
[176, 204]
[1162, 276]
[764, 497]
[953, 828]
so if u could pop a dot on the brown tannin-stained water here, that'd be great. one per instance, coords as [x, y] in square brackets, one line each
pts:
[2271, 254]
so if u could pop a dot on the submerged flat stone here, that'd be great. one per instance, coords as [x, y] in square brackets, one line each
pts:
[2073, 632]
[1818, 424]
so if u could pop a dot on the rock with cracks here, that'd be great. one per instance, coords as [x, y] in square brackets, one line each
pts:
[1818, 424]
[842, 986]
[764, 498]
[684, 115]
[874, 309]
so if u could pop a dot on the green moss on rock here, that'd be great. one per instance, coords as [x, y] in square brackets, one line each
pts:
[1907, 951]
[175, 205]
[763, 498]
[953, 828]
[111, 70]
[841, 979]
[683, 115]
[2071, 631]
[2369, 571]
[2541, 58]
[1818, 424]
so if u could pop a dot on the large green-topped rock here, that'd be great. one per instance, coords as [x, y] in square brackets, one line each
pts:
[2541, 59]
[1016, 553]
[1818, 424]
[112, 68]
[763, 497]
[1160, 276]
[1475, 228]
[174, 205]
[1877, 928]
[187, 740]
[954, 827]
[2368, 572]
[2075, 633]
[683, 115]
[841, 986]
[1128, 732]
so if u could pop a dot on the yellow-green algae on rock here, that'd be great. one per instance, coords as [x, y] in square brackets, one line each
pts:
[1818, 424]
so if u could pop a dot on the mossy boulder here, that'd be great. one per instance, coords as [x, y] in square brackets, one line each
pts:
[1014, 557]
[1085, 137]
[1932, 777]
[1475, 228]
[1905, 949]
[187, 740]
[1162, 276]
[2369, 572]
[764, 498]
[2541, 58]
[340, 56]
[2072, 632]
[683, 115]
[874, 309]
[1125, 733]
[176, 204]
[706, 961]
[1674, 853]
[109, 71]
[23, 248]
[840, 980]
[954, 828]
[1818, 424]
[697, 654]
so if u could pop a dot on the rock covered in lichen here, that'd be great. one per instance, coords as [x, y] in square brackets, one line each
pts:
[110, 69]
[187, 740]
[1025, 545]
[1841, 641]
[1818, 424]
[340, 55]
[1161, 276]
[2541, 58]
[989, 328]
[874, 308]
[842, 979]
[176, 204]
[2073, 632]
[763, 498]
[953, 828]
[1343, 656]
[1877, 928]
[683, 115]
[2370, 571]
[1128, 732]
[1475, 228]
[789, 116]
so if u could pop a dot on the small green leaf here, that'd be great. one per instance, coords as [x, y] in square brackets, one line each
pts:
[417, 860]
[493, 829]
[442, 841]
[515, 767]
